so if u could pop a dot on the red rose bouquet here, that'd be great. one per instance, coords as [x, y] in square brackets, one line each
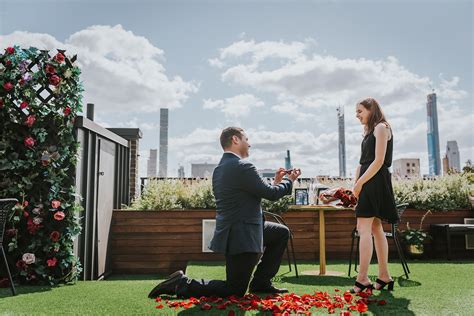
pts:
[346, 197]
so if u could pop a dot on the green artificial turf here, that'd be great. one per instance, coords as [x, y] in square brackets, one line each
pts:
[434, 288]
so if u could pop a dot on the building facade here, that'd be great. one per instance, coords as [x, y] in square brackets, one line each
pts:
[406, 168]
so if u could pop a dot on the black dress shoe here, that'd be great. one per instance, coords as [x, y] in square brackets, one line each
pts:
[168, 286]
[268, 289]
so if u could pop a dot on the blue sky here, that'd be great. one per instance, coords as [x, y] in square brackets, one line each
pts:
[279, 69]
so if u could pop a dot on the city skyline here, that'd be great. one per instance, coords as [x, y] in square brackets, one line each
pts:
[275, 68]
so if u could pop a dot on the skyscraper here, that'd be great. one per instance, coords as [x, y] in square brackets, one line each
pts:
[151, 163]
[288, 160]
[434, 157]
[342, 142]
[452, 152]
[163, 170]
[181, 172]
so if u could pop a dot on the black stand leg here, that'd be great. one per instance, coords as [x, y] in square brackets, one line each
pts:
[8, 271]
[448, 241]
[351, 254]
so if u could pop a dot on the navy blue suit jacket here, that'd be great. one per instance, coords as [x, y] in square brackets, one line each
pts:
[238, 190]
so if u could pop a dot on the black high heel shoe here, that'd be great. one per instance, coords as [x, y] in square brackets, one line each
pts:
[361, 286]
[383, 284]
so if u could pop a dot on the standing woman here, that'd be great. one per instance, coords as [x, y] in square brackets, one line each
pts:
[373, 188]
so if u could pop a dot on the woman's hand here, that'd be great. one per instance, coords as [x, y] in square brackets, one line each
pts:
[356, 189]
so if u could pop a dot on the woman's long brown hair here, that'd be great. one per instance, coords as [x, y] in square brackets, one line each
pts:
[376, 113]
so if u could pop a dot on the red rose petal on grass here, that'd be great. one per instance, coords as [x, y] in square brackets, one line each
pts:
[382, 302]
[159, 306]
[206, 307]
[347, 296]
[158, 299]
[362, 308]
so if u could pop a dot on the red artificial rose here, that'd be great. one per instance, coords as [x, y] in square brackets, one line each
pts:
[23, 105]
[55, 235]
[29, 141]
[345, 313]
[26, 214]
[8, 62]
[10, 50]
[59, 216]
[30, 120]
[67, 110]
[54, 80]
[1, 103]
[32, 227]
[59, 57]
[11, 232]
[7, 86]
[52, 262]
[20, 264]
[25, 203]
[49, 69]
[55, 204]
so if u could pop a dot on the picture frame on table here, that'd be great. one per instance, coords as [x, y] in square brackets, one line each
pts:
[301, 196]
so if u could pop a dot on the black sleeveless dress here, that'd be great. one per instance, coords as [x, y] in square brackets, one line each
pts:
[376, 196]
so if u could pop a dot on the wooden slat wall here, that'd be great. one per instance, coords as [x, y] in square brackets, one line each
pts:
[164, 241]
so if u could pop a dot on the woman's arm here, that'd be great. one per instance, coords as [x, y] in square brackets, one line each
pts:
[381, 134]
[357, 174]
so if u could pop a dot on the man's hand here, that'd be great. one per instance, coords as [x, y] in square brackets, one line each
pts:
[295, 173]
[279, 176]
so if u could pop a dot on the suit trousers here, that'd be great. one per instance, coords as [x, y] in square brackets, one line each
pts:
[239, 268]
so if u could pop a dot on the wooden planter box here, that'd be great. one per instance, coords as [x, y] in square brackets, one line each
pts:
[164, 241]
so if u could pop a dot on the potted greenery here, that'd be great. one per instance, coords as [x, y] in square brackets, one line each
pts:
[414, 238]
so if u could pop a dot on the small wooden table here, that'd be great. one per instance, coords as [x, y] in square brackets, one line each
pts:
[322, 234]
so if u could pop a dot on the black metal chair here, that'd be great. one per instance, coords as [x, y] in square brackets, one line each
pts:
[393, 234]
[6, 206]
[277, 218]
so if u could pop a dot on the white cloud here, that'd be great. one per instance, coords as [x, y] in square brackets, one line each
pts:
[121, 71]
[236, 106]
[292, 73]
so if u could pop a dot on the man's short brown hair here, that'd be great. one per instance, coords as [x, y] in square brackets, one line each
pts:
[228, 133]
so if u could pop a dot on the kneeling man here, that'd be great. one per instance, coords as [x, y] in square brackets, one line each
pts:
[241, 232]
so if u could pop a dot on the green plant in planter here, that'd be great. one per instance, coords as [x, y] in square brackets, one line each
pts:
[415, 238]
[278, 207]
